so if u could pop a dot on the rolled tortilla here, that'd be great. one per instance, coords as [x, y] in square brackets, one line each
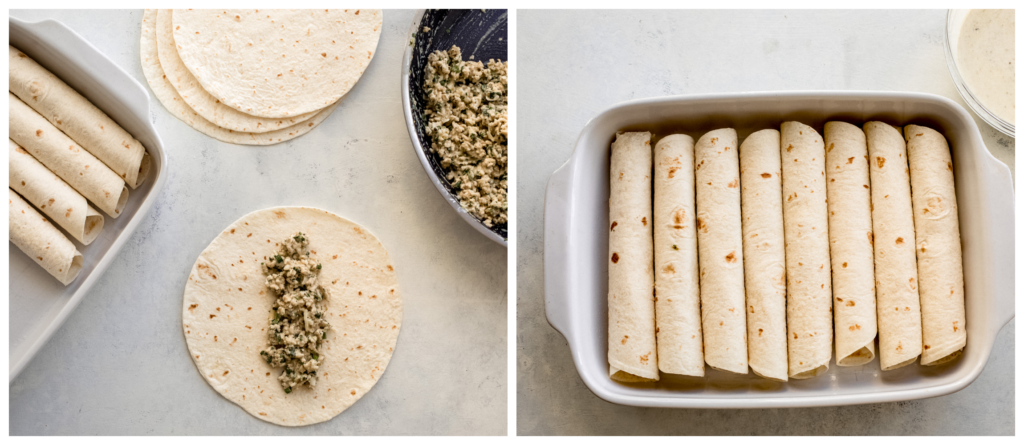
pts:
[805, 210]
[632, 353]
[52, 195]
[764, 254]
[66, 158]
[720, 251]
[78, 118]
[853, 263]
[41, 241]
[939, 256]
[899, 309]
[677, 300]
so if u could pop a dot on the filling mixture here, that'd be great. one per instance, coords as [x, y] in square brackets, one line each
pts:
[467, 113]
[298, 327]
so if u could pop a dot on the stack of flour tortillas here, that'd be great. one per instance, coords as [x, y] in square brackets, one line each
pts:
[256, 76]
[63, 152]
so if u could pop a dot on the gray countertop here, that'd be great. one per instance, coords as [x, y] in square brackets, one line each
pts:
[119, 364]
[572, 65]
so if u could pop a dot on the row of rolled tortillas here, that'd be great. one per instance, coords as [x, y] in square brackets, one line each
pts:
[214, 69]
[749, 257]
[63, 153]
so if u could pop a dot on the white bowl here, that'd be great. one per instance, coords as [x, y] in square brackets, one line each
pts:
[954, 23]
[39, 304]
[576, 246]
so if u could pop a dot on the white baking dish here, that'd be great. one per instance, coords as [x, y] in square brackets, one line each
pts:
[38, 303]
[576, 246]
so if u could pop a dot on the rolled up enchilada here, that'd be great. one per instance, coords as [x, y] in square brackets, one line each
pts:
[632, 353]
[899, 308]
[720, 251]
[677, 301]
[41, 241]
[764, 254]
[939, 256]
[78, 118]
[39, 186]
[805, 211]
[83, 171]
[853, 263]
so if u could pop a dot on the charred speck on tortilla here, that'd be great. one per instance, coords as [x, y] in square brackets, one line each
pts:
[298, 327]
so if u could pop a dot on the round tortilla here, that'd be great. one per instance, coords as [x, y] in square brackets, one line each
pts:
[54, 149]
[939, 255]
[171, 100]
[277, 63]
[720, 251]
[78, 118]
[226, 306]
[892, 217]
[764, 254]
[198, 99]
[853, 263]
[809, 282]
[632, 353]
[677, 306]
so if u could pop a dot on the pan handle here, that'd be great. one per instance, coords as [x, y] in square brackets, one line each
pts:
[557, 262]
[1001, 183]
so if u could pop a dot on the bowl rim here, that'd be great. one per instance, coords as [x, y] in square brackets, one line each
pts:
[973, 102]
[418, 148]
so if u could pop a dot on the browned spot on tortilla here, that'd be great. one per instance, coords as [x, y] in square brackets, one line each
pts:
[212, 315]
[615, 257]
[701, 226]
[871, 238]
[734, 183]
[790, 148]
[865, 186]
[795, 336]
[849, 161]
[192, 306]
[949, 165]
[225, 373]
[880, 161]
[899, 241]
[624, 339]
[731, 257]
[926, 347]
[672, 172]
[855, 327]
[644, 220]
[279, 213]
[614, 223]
[844, 265]
[850, 303]
[39, 133]
[670, 269]
[766, 175]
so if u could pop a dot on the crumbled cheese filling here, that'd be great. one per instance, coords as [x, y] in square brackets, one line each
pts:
[298, 326]
[467, 112]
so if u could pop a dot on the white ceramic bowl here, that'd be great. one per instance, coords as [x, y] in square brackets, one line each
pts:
[39, 304]
[576, 246]
[954, 23]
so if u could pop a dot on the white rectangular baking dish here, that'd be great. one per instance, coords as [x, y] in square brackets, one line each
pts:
[38, 303]
[576, 246]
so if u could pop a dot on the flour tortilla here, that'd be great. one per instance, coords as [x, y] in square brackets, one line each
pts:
[677, 301]
[805, 211]
[720, 251]
[632, 353]
[78, 118]
[277, 63]
[764, 254]
[198, 99]
[66, 158]
[226, 307]
[164, 91]
[40, 186]
[939, 256]
[40, 240]
[853, 263]
[899, 308]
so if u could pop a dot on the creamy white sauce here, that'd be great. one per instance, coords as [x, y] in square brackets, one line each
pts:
[986, 60]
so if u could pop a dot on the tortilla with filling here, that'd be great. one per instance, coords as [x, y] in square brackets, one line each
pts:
[853, 263]
[632, 353]
[805, 211]
[54, 149]
[78, 118]
[41, 241]
[939, 256]
[720, 251]
[764, 254]
[677, 300]
[52, 195]
[898, 305]
[226, 309]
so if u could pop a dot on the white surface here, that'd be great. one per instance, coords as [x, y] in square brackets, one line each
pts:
[576, 245]
[119, 364]
[627, 55]
[45, 304]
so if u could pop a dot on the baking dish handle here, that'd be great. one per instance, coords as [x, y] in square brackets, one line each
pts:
[557, 271]
[1003, 277]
